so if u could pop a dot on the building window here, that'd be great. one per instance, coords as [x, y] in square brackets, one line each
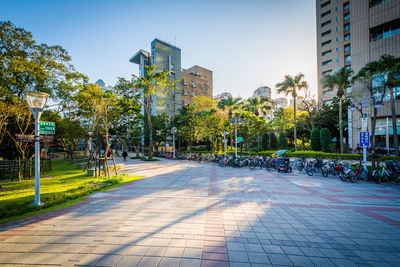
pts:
[184, 92]
[336, 9]
[336, 19]
[347, 47]
[193, 94]
[172, 74]
[348, 67]
[193, 84]
[337, 29]
[327, 72]
[346, 6]
[326, 23]
[326, 33]
[385, 30]
[325, 4]
[337, 69]
[337, 49]
[347, 27]
[330, 92]
[198, 74]
[327, 62]
[337, 59]
[325, 13]
[337, 39]
[347, 37]
[373, 3]
[347, 58]
[346, 17]
[326, 43]
[326, 53]
[348, 90]
[185, 82]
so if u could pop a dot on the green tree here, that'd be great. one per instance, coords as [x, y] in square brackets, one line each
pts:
[265, 141]
[153, 85]
[230, 104]
[325, 139]
[291, 86]
[282, 141]
[273, 141]
[339, 80]
[315, 140]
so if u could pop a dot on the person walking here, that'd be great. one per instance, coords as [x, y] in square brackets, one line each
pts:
[125, 155]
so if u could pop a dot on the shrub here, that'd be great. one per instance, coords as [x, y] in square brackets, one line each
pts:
[265, 141]
[273, 142]
[315, 140]
[282, 141]
[325, 139]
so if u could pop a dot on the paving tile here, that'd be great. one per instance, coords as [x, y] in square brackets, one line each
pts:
[213, 263]
[322, 261]
[253, 248]
[235, 246]
[149, 261]
[174, 252]
[192, 253]
[190, 262]
[109, 260]
[255, 257]
[279, 259]
[238, 256]
[300, 260]
[289, 250]
[273, 249]
[128, 261]
[170, 262]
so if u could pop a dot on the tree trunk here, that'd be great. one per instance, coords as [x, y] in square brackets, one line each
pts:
[340, 125]
[294, 124]
[394, 123]
[150, 135]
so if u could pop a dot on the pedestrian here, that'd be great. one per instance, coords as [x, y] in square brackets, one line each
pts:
[124, 155]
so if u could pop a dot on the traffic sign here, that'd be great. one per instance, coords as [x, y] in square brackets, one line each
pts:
[239, 139]
[364, 139]
[46, 127]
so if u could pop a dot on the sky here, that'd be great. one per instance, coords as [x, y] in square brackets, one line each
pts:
[245, 43]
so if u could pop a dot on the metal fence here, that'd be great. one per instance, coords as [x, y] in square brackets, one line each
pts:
[22, 169]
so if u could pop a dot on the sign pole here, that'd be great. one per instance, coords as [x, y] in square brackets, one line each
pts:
[364, 129]
[37, 159]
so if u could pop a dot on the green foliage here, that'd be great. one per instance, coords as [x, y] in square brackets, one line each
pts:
[282, 141]
[265, 141]
[64, 184]
[325, 139]
[315, 140]
[273, 141]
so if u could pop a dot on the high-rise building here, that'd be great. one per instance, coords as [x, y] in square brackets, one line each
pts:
[223, 95]
[166, 57]
[350, 34]
[196, 81]
[262, 92]
[281, 102]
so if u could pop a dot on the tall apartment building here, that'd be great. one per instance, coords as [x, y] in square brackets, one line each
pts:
[281, 102]
[351, 33]
[196, 81]
[263, 91]
[166, 57]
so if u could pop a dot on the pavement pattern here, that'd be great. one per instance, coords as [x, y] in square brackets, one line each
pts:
[199, 214]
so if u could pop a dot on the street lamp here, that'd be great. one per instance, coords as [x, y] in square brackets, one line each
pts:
[236, 121]
[173, 130]
[36, 102]
[224, 134]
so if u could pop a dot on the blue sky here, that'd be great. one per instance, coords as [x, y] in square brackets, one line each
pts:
[245, 43]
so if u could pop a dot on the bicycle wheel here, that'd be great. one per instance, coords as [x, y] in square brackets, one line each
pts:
[300, 168]
[325, 172]
[222, 163]
[377, 177]
[342, 176]
[252, 164]
[310, 171]
[267, 166]
[353, 177]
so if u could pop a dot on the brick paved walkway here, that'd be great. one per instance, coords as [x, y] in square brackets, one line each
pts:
[198, 214]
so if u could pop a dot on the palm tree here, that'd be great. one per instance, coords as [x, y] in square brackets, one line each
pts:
[389, 66]
[290, 86]
[258, 105]
[339, 80]
[229, 103]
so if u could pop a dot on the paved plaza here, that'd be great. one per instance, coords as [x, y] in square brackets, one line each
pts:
[198, 214]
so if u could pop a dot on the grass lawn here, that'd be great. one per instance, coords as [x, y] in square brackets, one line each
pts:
[62, 187]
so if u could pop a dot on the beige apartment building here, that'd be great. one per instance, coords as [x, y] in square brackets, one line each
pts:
[196, 81]
[351, 33]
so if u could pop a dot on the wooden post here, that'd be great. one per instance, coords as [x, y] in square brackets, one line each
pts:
[115, 165]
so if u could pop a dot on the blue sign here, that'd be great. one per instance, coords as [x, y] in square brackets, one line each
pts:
[364, 139]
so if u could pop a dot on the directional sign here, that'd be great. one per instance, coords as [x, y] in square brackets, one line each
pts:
[46, 127]
[239, 139]
[364, 139]
[30, 138]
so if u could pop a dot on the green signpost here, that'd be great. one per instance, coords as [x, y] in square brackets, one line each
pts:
[46, 127]
[239, 139]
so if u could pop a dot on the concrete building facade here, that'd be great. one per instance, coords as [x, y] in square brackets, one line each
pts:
[263, 92]
[350, 34]
[223, 95]
[281, 102]
[196, 81]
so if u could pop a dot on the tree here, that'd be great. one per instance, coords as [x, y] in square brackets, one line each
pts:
[291, 86]
[230, 104]
[325, 139]
[282, 141]
[339, 80]
[258, 106]
[202, 103]
[265, 141]
[151, 86]
[273, 142]
[315, 140]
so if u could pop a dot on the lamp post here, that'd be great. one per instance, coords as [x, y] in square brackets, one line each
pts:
[36, 102]
[236, 121]
[173, 130]
[224, 134]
